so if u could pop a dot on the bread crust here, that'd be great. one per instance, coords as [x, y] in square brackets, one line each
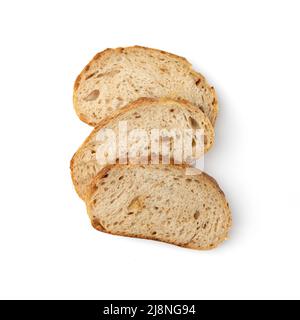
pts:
[131, 106]
[106, 52]
[97, 225]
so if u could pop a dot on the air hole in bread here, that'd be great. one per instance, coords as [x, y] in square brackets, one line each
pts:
[198, 81]
[194, 143]
[90, 75]
[137, 115]
[196, 215]
[92, 95]
[194, 124]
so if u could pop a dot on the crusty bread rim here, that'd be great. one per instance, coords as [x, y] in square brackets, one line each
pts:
[99, 55]
[97, 225]
[136, 104]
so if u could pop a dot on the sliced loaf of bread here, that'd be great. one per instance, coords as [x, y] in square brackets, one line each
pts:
[161, 203]
[145, 114]
[117, 77]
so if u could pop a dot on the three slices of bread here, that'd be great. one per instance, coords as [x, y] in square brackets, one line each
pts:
[148, 89]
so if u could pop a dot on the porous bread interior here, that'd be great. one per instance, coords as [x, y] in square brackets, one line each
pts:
[114, 78]
[161, 203]
[144, 114]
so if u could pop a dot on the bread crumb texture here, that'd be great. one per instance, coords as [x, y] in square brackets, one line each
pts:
[116, 77]
[161, 203]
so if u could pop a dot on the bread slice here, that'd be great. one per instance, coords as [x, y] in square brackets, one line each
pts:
[145, 114]
[159, 202]
[117, 77]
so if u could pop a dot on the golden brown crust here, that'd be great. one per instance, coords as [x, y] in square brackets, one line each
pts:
[97, 225]
[131, 106]
[102, 54]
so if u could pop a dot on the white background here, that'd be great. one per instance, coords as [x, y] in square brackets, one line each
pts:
[249, 50]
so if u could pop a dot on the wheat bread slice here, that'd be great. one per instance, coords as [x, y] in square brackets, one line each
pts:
[117, 77]
[145, 114]
[159, 202]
